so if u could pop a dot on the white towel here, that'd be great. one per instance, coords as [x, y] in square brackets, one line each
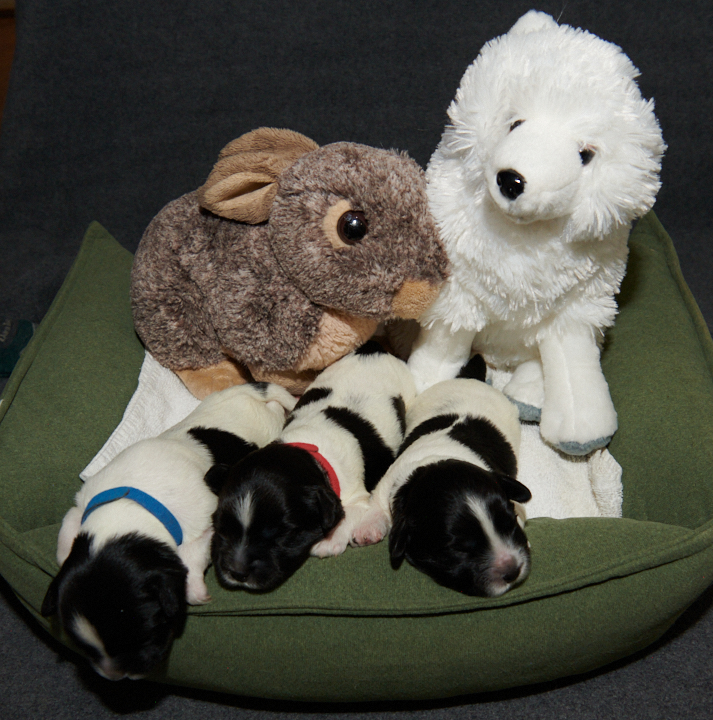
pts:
[562, 486]
[565, 486]
[159, 401]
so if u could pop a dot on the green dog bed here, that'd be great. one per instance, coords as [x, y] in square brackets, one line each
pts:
[351, 628]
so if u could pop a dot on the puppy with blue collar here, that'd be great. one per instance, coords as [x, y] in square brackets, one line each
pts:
[134, 548]
[305, 493]
[451, 502]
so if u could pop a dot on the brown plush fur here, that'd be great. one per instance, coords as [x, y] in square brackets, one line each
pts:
[282, 297]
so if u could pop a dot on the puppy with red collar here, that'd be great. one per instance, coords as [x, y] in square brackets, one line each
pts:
[134, 548]
[451, 499]
[307, 491]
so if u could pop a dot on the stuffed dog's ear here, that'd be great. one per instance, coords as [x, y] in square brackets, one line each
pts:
[514, 490]
[243, 183]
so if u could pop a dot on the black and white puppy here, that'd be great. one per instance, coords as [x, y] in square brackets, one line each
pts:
[452, 495]
[134, 548]
[307, 491]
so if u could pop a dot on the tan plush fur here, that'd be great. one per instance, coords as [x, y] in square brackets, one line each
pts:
[273, 290]
[205, 381]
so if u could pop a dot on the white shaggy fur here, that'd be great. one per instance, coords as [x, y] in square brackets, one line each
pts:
[461, 397]
[534, 274]
[171, 468]
[364, 384]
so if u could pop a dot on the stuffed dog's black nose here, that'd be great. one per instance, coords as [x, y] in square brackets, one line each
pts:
[511, 184]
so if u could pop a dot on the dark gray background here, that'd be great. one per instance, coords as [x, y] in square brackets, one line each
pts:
[116, 108]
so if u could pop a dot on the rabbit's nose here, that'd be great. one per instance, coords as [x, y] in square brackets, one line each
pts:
[413, 297]
[511, 184]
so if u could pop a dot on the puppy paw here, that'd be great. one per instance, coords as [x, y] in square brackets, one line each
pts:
[334, 544]
[373, 528]
[337, 541]
[197, 591]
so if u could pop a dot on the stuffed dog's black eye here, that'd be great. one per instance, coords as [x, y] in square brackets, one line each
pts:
[352, 227]
[586, 155]
[517, 123]
[268, 533]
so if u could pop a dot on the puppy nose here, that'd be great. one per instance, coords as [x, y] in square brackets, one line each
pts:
[508, 569]
[511, 184]
[238, 567]
[108, 670]
[511, 575]
[239, 574]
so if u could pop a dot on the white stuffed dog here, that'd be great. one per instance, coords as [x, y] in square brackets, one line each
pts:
[550, 155]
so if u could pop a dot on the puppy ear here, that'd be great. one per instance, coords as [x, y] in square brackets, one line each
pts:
[513, 489]
[328, 506]
[170, 586]
[474, 369]
[398, 541]
[399, 533]
[243, 183]
[51, 601]
[215, 477]
[78, 555]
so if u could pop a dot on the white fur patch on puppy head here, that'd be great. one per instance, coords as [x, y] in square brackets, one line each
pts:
[244, 509]
[508, 561]
[87, 635]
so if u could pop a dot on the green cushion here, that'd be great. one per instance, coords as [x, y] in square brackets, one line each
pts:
[351, 628]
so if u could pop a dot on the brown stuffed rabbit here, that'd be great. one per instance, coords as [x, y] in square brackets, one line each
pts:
[284, 261]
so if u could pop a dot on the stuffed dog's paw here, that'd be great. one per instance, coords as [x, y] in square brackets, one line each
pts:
[581, 427]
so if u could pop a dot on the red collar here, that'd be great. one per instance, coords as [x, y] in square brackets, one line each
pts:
[313, 450]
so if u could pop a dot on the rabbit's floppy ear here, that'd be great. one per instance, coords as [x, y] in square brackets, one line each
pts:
[242, 184]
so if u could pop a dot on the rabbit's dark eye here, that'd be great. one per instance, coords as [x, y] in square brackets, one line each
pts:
[352, 227]
[517, 123]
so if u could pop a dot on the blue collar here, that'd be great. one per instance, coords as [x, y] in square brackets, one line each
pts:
[159, 511]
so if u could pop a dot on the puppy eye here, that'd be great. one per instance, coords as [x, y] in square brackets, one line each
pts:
[352, 227]
[586, 154]
[268, 533]
[517, 123]
[469, 544]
